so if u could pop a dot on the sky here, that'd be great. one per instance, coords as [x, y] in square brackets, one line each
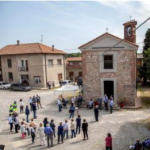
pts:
[68, 25]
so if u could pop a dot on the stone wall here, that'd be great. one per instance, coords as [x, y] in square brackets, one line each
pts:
[125, 75]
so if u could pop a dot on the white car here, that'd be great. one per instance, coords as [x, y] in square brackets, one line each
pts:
[65, 82]
[4, 85]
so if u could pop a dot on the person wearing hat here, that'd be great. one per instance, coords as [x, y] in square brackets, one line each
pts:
[14, 106]
[96, 112]
[136, 146]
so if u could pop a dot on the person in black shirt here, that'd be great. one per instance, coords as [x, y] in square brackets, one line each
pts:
[78, 124]
[85, 129]
[45, 122]
[96, 112]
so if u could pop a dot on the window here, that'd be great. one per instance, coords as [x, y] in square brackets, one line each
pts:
[37, 79]
[10, 76]
[59, 62]
[9, 63]
[50, 62]
[108, 61]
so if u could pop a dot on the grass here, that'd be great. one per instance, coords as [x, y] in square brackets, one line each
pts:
[145, 97]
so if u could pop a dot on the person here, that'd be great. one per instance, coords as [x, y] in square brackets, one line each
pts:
[33, 124]
[10, 121]
[49, 83]
[34, 110]
[96, 112]
[72, 110]
[38, 101]
[41, 134]
[32, 131]
[22, 130]
[60, 133]
[11, 109]
[108, 141]
[65, 128]
[59, 105]
[30, 102]
[111, 105]
[49, 134]
[53, 84]
[100, 103]
[64, 102]
[26, 126]
[105, 99]
[60, 82]
[15, 106]
[146, 144]
[90, 104]
[34, 100]
[27, 112]
[16, 122]
[78, 124]
[72, 127]
[85, 129]
[52, 125]
[45, 122]
[21, 106]
[79, 101]
[136, 146]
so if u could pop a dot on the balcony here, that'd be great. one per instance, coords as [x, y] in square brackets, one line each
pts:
[22, 68]
[76, 66]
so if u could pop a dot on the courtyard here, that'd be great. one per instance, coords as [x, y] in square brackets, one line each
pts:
[123, 124]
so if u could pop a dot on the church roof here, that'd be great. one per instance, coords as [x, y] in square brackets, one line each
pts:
[105, 35]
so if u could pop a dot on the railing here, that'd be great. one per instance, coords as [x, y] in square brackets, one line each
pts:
[74, 66]
[22, 68]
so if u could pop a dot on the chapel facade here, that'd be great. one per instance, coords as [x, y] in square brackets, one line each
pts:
[109, 66]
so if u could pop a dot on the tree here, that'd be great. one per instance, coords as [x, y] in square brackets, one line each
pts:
[145, 69]
[147, 40]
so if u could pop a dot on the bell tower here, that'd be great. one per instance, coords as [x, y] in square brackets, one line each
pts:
[129, 31]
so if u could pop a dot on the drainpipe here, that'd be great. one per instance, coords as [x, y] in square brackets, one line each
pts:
[45, 69]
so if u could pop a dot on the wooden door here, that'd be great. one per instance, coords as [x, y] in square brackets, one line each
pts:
[71, 74]
[60, 76]
[80, 74]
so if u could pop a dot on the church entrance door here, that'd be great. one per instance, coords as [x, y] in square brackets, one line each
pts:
[109, 88]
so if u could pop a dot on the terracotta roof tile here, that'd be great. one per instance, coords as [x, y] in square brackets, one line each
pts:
[30, 48]
[74, 59]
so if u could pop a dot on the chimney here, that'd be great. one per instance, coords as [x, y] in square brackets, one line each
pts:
[18, 42]
[52, 47]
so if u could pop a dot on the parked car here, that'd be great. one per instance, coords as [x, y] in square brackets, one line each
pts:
[65, 82]
[4, 85]
[20, 87]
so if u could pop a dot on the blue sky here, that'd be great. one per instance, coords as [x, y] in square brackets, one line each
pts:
[67, 25]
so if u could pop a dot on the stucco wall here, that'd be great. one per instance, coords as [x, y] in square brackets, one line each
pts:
[125, 75]
[35, 68]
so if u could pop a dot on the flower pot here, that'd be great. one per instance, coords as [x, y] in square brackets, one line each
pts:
[121, 104]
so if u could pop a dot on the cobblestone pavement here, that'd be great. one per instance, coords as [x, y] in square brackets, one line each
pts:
[121, 124]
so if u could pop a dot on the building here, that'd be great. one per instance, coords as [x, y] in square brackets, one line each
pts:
[139, 62]
[33, 64]
[109, 66]
[73, 67]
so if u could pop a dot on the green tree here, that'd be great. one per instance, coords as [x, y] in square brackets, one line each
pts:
[147, 40]
[145, 69]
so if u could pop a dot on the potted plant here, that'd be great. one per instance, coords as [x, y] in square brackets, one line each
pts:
[122, 102]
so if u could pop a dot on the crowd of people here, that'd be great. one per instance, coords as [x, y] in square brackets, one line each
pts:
[51, 84]
[47, 130]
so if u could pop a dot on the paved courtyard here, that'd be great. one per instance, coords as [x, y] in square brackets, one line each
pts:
[121, 124]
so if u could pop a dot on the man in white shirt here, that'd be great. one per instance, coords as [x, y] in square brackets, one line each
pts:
[66, 127]
[59, 104]
[90, 105]
[105, 99]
